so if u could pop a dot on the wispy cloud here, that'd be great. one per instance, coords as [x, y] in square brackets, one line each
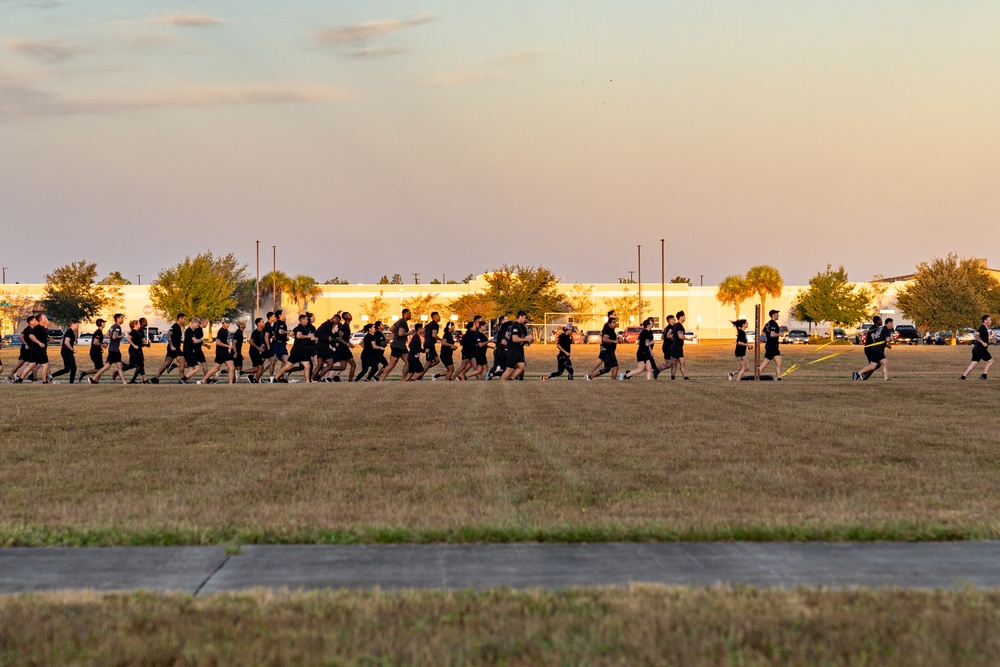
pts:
[360, 33]
[491, 69]
[19, 100]
[46, 50]
[183, 20]
[377, 51]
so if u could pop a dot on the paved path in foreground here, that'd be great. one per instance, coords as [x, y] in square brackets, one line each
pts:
[201, 570]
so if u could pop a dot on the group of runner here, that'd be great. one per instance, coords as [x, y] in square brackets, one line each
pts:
[324, 352]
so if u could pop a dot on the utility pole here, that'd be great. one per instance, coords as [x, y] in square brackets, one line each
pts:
[5, 275]
[139, 278]
[663, 288]
[631, 276]
[416, 278]
[639, 267]
[256, 302]
[274, 274]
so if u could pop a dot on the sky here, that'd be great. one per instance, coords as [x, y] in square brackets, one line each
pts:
[448, 137]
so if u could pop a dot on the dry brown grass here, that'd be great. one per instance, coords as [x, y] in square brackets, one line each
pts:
[807, 458]
[639, 625]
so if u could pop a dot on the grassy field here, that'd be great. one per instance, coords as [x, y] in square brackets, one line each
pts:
[639, 625]
[816, 457]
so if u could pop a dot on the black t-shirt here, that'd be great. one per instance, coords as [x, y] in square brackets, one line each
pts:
[741, 337]
[501, 335]
[238, 341]
[280, 332]
[98, 339]
[344, 334]
[399, 342]
[26, 338]
[115, 338]
[380, 340]
[199, 335]
[769, 327]
[268, 331]
[221, 338]
[480, 338]
[366, 344]
[565, 341]
[645, 338]
[610, 332]
[416, 345]
[678, 340]
[42, 334]
[984, 334]
[301, 343]
[257, 338]
[70, 336]
[519, 330]
[175, 336]
[189, 341]
[668, 337]
[431, 334]
[448, 337]
[135, 335]
[325, 334]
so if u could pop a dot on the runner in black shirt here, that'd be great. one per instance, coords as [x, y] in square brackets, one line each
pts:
[772, 341]
[643, 353]
[268, 332]
[195, 348]
[448, 347]
[237, 342]
[415, 347]
[397, 347]
[304, 338]
[68, 351]
[175, 349]
[677, 346]
[608, 353]
[517, 337]
[24, 354]
[344, 345]
[96, 351]
[431, 340]
[115, 336]
[564, 344]
[500, 347]
[279, 342]
[379, 346]
[666, 346]
[467, 354]
[39, 351]
[136, 340]
[223, 354]
[741, 350]
[981, 349]
[326, 351]
[367, 352]
[878, 342]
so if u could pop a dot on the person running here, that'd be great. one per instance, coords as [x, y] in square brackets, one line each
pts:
[643, 353]
[431, 340]
[397, 348]
[517, 336]
[500, 347]
[256, 351]
[468, 354]
[666, 345]
[608, 352]
[677, 346]
[24, 354]
[67, 350]
[564, 347]
[326, 352]
[878, 342]
[195, 348]
[981, 349]
[741, 350]
[175, 337]
[379, 345]
[448, 347]
[772, 342]
[414, 368]
[96, 352]
[223, 355]
[344, 345]
[367, 358]
[114, 361]
[304, 337]
[268, 341]
[136, 358]
[237, 343]
[279, 342]
[38, 360]
[481, 347]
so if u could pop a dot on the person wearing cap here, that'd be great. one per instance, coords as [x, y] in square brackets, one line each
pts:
[223, 355]
[772, 339]
[517, 337]
[96, 351]
[564, 344]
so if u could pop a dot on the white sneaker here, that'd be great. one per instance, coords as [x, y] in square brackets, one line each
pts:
[292, 381]
[621, 376]
[271, 380]
[730, 376]
[587, 377]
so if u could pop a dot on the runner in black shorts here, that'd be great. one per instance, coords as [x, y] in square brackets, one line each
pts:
[279, 342]
[564, 345]
[481, 348]
[344, 345]
[414, 369]
[431, 340]
[115, 336]
[379, 346]
[96, 351]
[367, 357]
[195, 348]
[741, 350]
[878, 342]
[643, 353]
[24, 354]
[516, 337]
[677, 346]
[304, 337]
[268, 331]
[981, 349]
[256, 351]
[38, 359]
[500, 347]
[136, 359]
[448, 347]
[237, 342]
[67, 350]
[397, 347]
[608, 353]
[223, 355]
[772, 341]
[175, 348]
[325, 349]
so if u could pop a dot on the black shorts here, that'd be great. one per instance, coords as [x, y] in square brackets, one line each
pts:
[742, 353]
[24, 354]
[266, 354]
[676, 352]
[514, 357]
[981, 353]
[481, 357]
[172, 354]
[468, 354]
[222, 356]
[431, 353]
[199, 356]
[97, 358]
[396, 353]
[876, 355]
[255, 357]
[610, 358]
[643, 356]
[446, 357]
[114, 357]
[326, 353]
[772, 353]
[344, 353]
[279, 350]
[299, 355]
[413, 364]
[40, 355]
[190, 359]
[500, 357]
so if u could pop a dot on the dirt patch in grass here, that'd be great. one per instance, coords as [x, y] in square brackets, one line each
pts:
[813, 459]
[639, 625]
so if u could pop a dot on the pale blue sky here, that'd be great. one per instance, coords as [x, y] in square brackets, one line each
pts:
[449, 137]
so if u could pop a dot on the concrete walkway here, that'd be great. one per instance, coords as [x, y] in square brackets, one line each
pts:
[200, 570]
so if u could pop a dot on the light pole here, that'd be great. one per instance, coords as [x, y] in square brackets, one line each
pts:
[138, 278]
[639, 267]
[5, 275]
[274, 274]
[256, 302]
[663, 288]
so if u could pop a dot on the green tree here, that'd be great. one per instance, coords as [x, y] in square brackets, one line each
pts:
[949, 293]
[467, 279]
[468, 306]
[384, 280]
[376, 309]
[272, 285]
[116, 278]
[246, 299]
[580, 299]
[396, 279]
[832, 298]
[205, 286]
[337, 281]
[627, 307]
[733, 291]
[72, 293]
[680, 280]
[303, 290]
[765, 281]
[535, 290]
[424, 304]
[16, 307]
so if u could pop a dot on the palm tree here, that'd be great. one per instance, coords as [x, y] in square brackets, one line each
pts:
[273, 284]
[765, 281]
[304, 289]
[733, 291]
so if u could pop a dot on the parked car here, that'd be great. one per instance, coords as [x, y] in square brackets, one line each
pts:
[84, 340]
[12, 340]
[797, 337]
[965, 336]
[782, 334]
[358, 338]
[937, 338]
[658, 335]
[163, 338]
[575, 335]
[994, 335]
[153, 334]
[55, 336]
[592, 337]
[907, 334]
[839, 334]
[862, 331]
[631, 334]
